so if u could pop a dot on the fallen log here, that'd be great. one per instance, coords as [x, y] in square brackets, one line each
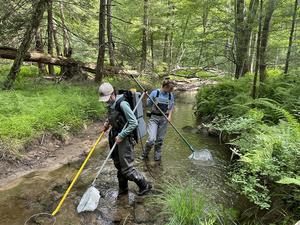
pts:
[34, 56]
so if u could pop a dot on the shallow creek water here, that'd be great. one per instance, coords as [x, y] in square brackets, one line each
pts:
[41, 191]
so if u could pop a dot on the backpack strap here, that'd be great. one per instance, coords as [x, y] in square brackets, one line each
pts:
[157, 95]
[118, 104]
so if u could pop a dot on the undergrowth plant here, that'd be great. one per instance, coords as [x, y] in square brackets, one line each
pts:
[266, 136]
[35, 106]
[32, 108]
[184, 205]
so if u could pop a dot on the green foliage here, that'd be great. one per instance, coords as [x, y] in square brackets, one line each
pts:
[36, 105]
[266, 135]
[267, 153]
[32, 108]
[279, 98]
[289, 180]
[184, 205]
[250, 186]
[238, 125]
[215, 99]
[284, 90]
[127, 83]
[209, 42]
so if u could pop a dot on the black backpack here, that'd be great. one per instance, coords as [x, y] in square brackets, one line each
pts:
[128, 97]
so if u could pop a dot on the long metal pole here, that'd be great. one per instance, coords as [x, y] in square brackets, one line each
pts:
[77, 175]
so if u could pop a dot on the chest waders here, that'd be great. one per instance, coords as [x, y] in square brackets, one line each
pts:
[196, 154]
[157, 126]
[91, 197]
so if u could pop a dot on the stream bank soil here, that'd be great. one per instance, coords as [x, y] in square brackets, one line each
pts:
[48, 153]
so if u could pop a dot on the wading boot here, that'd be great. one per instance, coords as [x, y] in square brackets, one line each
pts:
[145, 189]
[144, 186]
[157, 154]
[146, 151]
[123, 185]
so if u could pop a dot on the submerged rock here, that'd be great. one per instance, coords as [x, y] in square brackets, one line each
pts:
[141, 215]
[190, 129]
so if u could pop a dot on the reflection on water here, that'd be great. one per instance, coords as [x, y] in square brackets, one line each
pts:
[41, 191]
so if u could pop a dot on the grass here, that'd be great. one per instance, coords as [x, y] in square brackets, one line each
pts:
[27, 112]
[184, 205]
[36, 105]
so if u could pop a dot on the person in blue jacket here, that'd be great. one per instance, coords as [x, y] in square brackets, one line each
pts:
[158, 123]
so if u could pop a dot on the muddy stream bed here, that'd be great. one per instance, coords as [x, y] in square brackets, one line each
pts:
[41, 191]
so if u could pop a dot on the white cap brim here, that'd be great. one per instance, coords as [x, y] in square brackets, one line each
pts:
[104, 98]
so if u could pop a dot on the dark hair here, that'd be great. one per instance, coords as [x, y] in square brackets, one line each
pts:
[168, 83]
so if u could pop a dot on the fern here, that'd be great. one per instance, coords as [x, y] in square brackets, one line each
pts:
[277, 110]
[289, 180]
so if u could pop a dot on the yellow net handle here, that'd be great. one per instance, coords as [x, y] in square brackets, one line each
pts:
[77, 175]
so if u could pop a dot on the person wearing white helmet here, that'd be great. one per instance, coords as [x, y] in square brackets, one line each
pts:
[119, 113]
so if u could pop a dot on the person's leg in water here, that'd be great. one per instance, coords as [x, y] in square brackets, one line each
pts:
[161, 133]
[152, 133]
[122, 180]
[126, 157]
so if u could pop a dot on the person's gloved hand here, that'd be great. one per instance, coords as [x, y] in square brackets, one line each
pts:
[105, 126]
[118, 140]
[146, 94]
[169, 118]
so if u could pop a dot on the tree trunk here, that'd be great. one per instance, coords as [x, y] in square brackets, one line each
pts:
[264, 40]
[66, 71]
[40, 48]
[287, 61]
[204, 24]
[12, 53]
[110, 35]
[243, 33]
[181, 46]
[50, 35]
[240, 8]
[252, 53]
[145, 36]
[170, 56]
[101, 52]
[170, 51]
[39, 8]
[152, 49]
[57, 46]
[166, 40]
[254, 87]
[66, 40]
[167, 33]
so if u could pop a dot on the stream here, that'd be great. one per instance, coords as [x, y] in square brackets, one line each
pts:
[41, 191]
